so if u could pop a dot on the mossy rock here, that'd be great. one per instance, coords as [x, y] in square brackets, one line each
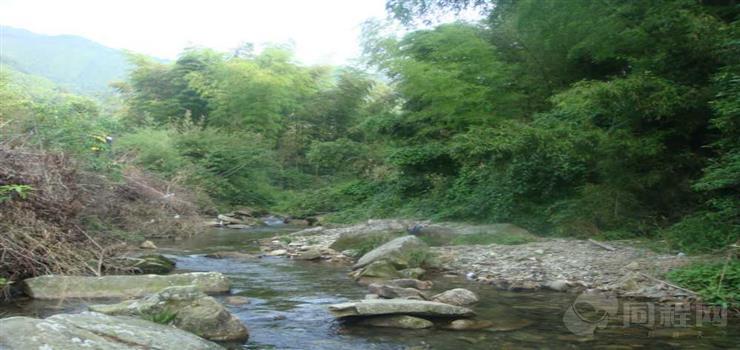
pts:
[402, 252]
[381, 269]
[185, 307]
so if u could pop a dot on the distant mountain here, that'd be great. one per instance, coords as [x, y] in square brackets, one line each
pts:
[72, 62]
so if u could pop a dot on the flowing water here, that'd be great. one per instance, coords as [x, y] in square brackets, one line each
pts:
[289, 299]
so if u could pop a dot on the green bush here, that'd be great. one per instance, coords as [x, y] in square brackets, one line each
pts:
[707, 230]
[717, 283]
[340, 156]
[155, 150]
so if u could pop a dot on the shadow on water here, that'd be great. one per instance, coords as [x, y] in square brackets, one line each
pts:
[289, 299]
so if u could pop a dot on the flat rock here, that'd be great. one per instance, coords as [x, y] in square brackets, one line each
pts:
[120, 286]
[457, 296]
[398, 306]
[90, 330]
[191, 310]
[397, 321]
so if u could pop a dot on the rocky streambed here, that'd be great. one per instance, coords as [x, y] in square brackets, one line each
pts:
[300, 290]
[564, 265]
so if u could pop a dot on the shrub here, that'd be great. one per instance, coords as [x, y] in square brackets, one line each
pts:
[707, 230]
[154, 150]
[716, 282]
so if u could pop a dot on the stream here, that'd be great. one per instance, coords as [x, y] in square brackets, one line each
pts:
[289, 299]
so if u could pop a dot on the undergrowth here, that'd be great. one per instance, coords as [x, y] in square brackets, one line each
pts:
[717, 283]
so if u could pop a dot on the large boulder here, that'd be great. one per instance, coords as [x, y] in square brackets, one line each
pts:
[397, 321]
[121, 286]
[400, 252]
[90, 330]
[374, 307]
[356, 236]
[457, 296]
[189, 309]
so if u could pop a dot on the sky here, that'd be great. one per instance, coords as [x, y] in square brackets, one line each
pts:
[321, 31]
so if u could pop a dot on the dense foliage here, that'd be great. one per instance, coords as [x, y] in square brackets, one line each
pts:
[582, 118]
[716, 282]
[612, 118]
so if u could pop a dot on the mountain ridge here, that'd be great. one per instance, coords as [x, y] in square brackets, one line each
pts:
[75, 63]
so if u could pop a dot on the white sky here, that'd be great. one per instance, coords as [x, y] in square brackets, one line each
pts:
[322, 31]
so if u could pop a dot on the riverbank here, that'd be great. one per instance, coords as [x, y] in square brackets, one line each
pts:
[565, 265]
[285, 302]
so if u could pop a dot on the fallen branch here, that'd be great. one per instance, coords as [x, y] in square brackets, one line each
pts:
[668, 284]
[602, 245]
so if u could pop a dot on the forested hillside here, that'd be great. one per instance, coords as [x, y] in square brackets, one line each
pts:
[74, 63]
[612, 119]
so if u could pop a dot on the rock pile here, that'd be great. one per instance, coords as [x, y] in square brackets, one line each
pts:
[564, 265]
[398, 305]
[398, 258]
